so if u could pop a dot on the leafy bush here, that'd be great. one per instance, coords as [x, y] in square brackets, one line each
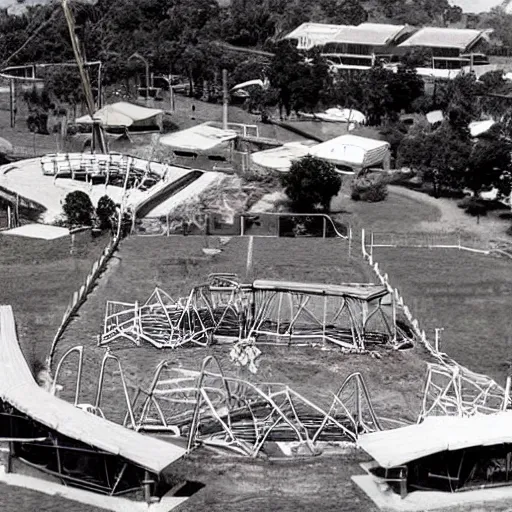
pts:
[78, 209]
[105, 212]
[311, 182]
[370, 191]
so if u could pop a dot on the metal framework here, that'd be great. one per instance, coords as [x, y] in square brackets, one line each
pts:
[452, 390]
[209, 408]
[351, 316]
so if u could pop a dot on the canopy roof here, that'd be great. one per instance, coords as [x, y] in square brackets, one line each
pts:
[19, 389]
[120, 114]
[352, 151]
[281, 158]
[249, 83]
[436, 434]
[339, 115]
[197, 139]
[372, 34]
[444, 38]
[359, 291]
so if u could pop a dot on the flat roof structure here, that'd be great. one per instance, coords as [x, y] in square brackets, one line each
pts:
[198, 139]
[392, 448]
[371, 34]
[312, 34]
[360, 291]
[436, 37]
[281, 158]
[40, 231]
[19, 389]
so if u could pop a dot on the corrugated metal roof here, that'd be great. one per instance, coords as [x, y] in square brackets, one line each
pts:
[373, 34]
[436, 434]
[19, 389]
[443, 38]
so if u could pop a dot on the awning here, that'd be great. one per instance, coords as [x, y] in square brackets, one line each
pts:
[19, 389]
[352, 151]
[120, 114]
[436, 434]
[198, 139]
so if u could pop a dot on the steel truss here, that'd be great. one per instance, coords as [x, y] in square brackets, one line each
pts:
[452, 390]
[224, 310]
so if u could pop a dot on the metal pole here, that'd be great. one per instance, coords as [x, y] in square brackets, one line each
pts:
[171, 92]
[11, 100]
[225, 99]
[438, 338]
[100, 88]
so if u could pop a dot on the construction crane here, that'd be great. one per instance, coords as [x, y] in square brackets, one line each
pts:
[98, 136]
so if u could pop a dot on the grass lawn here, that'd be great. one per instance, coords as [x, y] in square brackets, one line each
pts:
[467, 294]
[177, 263]
[38, 278]
[398, 213]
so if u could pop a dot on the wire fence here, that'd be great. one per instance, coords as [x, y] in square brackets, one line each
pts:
[442, 240]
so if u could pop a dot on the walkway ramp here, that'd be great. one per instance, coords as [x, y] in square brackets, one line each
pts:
[20, 390]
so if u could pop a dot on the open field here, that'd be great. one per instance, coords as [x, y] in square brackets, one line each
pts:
[469, 295]
[38, 278]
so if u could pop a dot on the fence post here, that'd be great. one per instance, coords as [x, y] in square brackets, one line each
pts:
[371, 245]
[363, 234]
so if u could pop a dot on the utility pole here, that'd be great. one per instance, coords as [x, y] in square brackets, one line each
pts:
[97, 132]
[225, 99]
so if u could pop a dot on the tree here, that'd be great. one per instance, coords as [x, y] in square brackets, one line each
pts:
[78, 209]
[489, 162]
[311, 182]
[442, 156]
[105, 212]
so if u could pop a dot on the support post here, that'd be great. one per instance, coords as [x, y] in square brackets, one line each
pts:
[249, 262]
[324, 228]
[507, 393]
[11, 100]
[9, 214]
[242, 225]
[225, 99]
[438, 338]
[371, 245]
